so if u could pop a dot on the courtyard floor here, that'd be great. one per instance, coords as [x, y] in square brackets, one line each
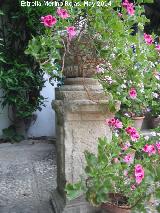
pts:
[27, 177]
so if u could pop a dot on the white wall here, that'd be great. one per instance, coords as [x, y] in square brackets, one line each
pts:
[45, 122]
[4, 120]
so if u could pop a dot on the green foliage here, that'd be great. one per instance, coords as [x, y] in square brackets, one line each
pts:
[11, 135]
[20, 76]
[128, 60]
[104, 175]
[20, 86]
[74, 190]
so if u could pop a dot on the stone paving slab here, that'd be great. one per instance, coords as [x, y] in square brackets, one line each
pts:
[27, 177]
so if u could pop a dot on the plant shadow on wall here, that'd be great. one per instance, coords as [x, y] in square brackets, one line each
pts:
[20, 76]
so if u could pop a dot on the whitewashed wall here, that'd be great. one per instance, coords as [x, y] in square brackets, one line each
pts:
[45, 122]
[4, 120]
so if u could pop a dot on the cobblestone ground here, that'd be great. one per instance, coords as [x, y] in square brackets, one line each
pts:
[27, 176]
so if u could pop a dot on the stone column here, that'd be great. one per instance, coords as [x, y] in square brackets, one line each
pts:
[81, 109]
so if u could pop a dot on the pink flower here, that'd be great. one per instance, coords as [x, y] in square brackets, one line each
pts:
[148, 39]
[48, 20]
[118, 124]
[115, 160]
[126, 146]
[158, 47]
[130, 129]
[158, 147]
[71, 32]
[150, 149]
[129, 7]
[125, 173]
[99, 69]
[128, 158]
[139, 173]
[125, 3]
[113, 122]
[133, 187]
[120, 15]
[133, 93]
[133, 133]
[135, 136]
[62, 13]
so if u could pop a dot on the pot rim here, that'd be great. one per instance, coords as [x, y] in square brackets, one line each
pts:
[120, 207]
[138, 117]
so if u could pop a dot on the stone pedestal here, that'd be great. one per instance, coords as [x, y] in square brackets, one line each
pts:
[81, 110]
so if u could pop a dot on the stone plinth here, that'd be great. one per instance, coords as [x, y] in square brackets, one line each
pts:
[81, 109]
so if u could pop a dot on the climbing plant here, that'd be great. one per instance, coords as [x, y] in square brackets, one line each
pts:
[20, 76]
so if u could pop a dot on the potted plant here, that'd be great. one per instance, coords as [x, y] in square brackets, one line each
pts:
[76, 39]
[154, 105]
[133, 87]
[124, 174]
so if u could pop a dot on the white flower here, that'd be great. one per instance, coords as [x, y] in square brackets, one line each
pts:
[116, 134]
[155, 95]
[123, 86]
[142, 90]
[113, 55]
[127, 115]
[146, 138]
[141, 85]
[157, 76]
[109, 79]
[153, 133]
[158, 134]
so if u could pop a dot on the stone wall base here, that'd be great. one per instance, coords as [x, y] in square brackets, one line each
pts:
[78, 205]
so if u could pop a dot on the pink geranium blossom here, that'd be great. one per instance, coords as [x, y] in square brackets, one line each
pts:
[158, 147]
[133, 93]
[99, 69]
[135, 136]
[129, 7]
[125, 173]
[158, 47]
[148, 39]
[115, 123]
[126, 146]
[125, 3]
[139, 173]
[128, 158]
[120, 14]
[62, 13]
[133, 133]
[116, 160]
[133, 187]
[71, 32]
[48, 20]
[150, 149]
[130, 129]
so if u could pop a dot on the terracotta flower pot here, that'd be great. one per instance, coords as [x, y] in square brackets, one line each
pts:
[110, 208]
[138, 121]
[81, 58]
[117, 204]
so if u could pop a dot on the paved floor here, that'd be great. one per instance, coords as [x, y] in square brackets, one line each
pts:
[27, 176]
